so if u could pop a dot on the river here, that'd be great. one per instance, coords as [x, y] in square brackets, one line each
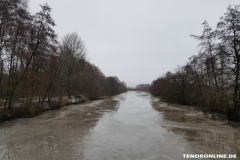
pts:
[130, 126]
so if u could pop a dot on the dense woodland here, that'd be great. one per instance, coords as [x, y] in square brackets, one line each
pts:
[211, 78]
[34, 63]
[140, 87]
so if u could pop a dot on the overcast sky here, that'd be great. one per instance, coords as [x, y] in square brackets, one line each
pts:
[136, 40]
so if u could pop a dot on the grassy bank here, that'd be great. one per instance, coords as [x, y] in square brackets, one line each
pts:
[29, 110]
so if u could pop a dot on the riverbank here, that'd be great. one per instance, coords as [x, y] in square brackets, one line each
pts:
[227, 112]
[30, 110]
[196, 111]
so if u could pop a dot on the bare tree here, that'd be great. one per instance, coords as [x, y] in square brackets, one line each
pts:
[229, 34]
[72, 51]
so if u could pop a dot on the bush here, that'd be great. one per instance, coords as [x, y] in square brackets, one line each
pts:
[30, 109]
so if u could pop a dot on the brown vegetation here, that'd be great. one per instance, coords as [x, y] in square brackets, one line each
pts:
[33, 63]
[210, 78]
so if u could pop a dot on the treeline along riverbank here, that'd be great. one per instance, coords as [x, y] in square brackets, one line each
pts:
[211, 78]
[36, 69]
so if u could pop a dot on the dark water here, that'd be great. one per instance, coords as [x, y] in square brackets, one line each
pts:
[131, 126]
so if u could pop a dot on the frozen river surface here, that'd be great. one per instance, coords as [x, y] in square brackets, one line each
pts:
[130, 126]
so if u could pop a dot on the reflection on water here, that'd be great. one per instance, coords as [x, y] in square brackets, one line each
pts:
[53, 135]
